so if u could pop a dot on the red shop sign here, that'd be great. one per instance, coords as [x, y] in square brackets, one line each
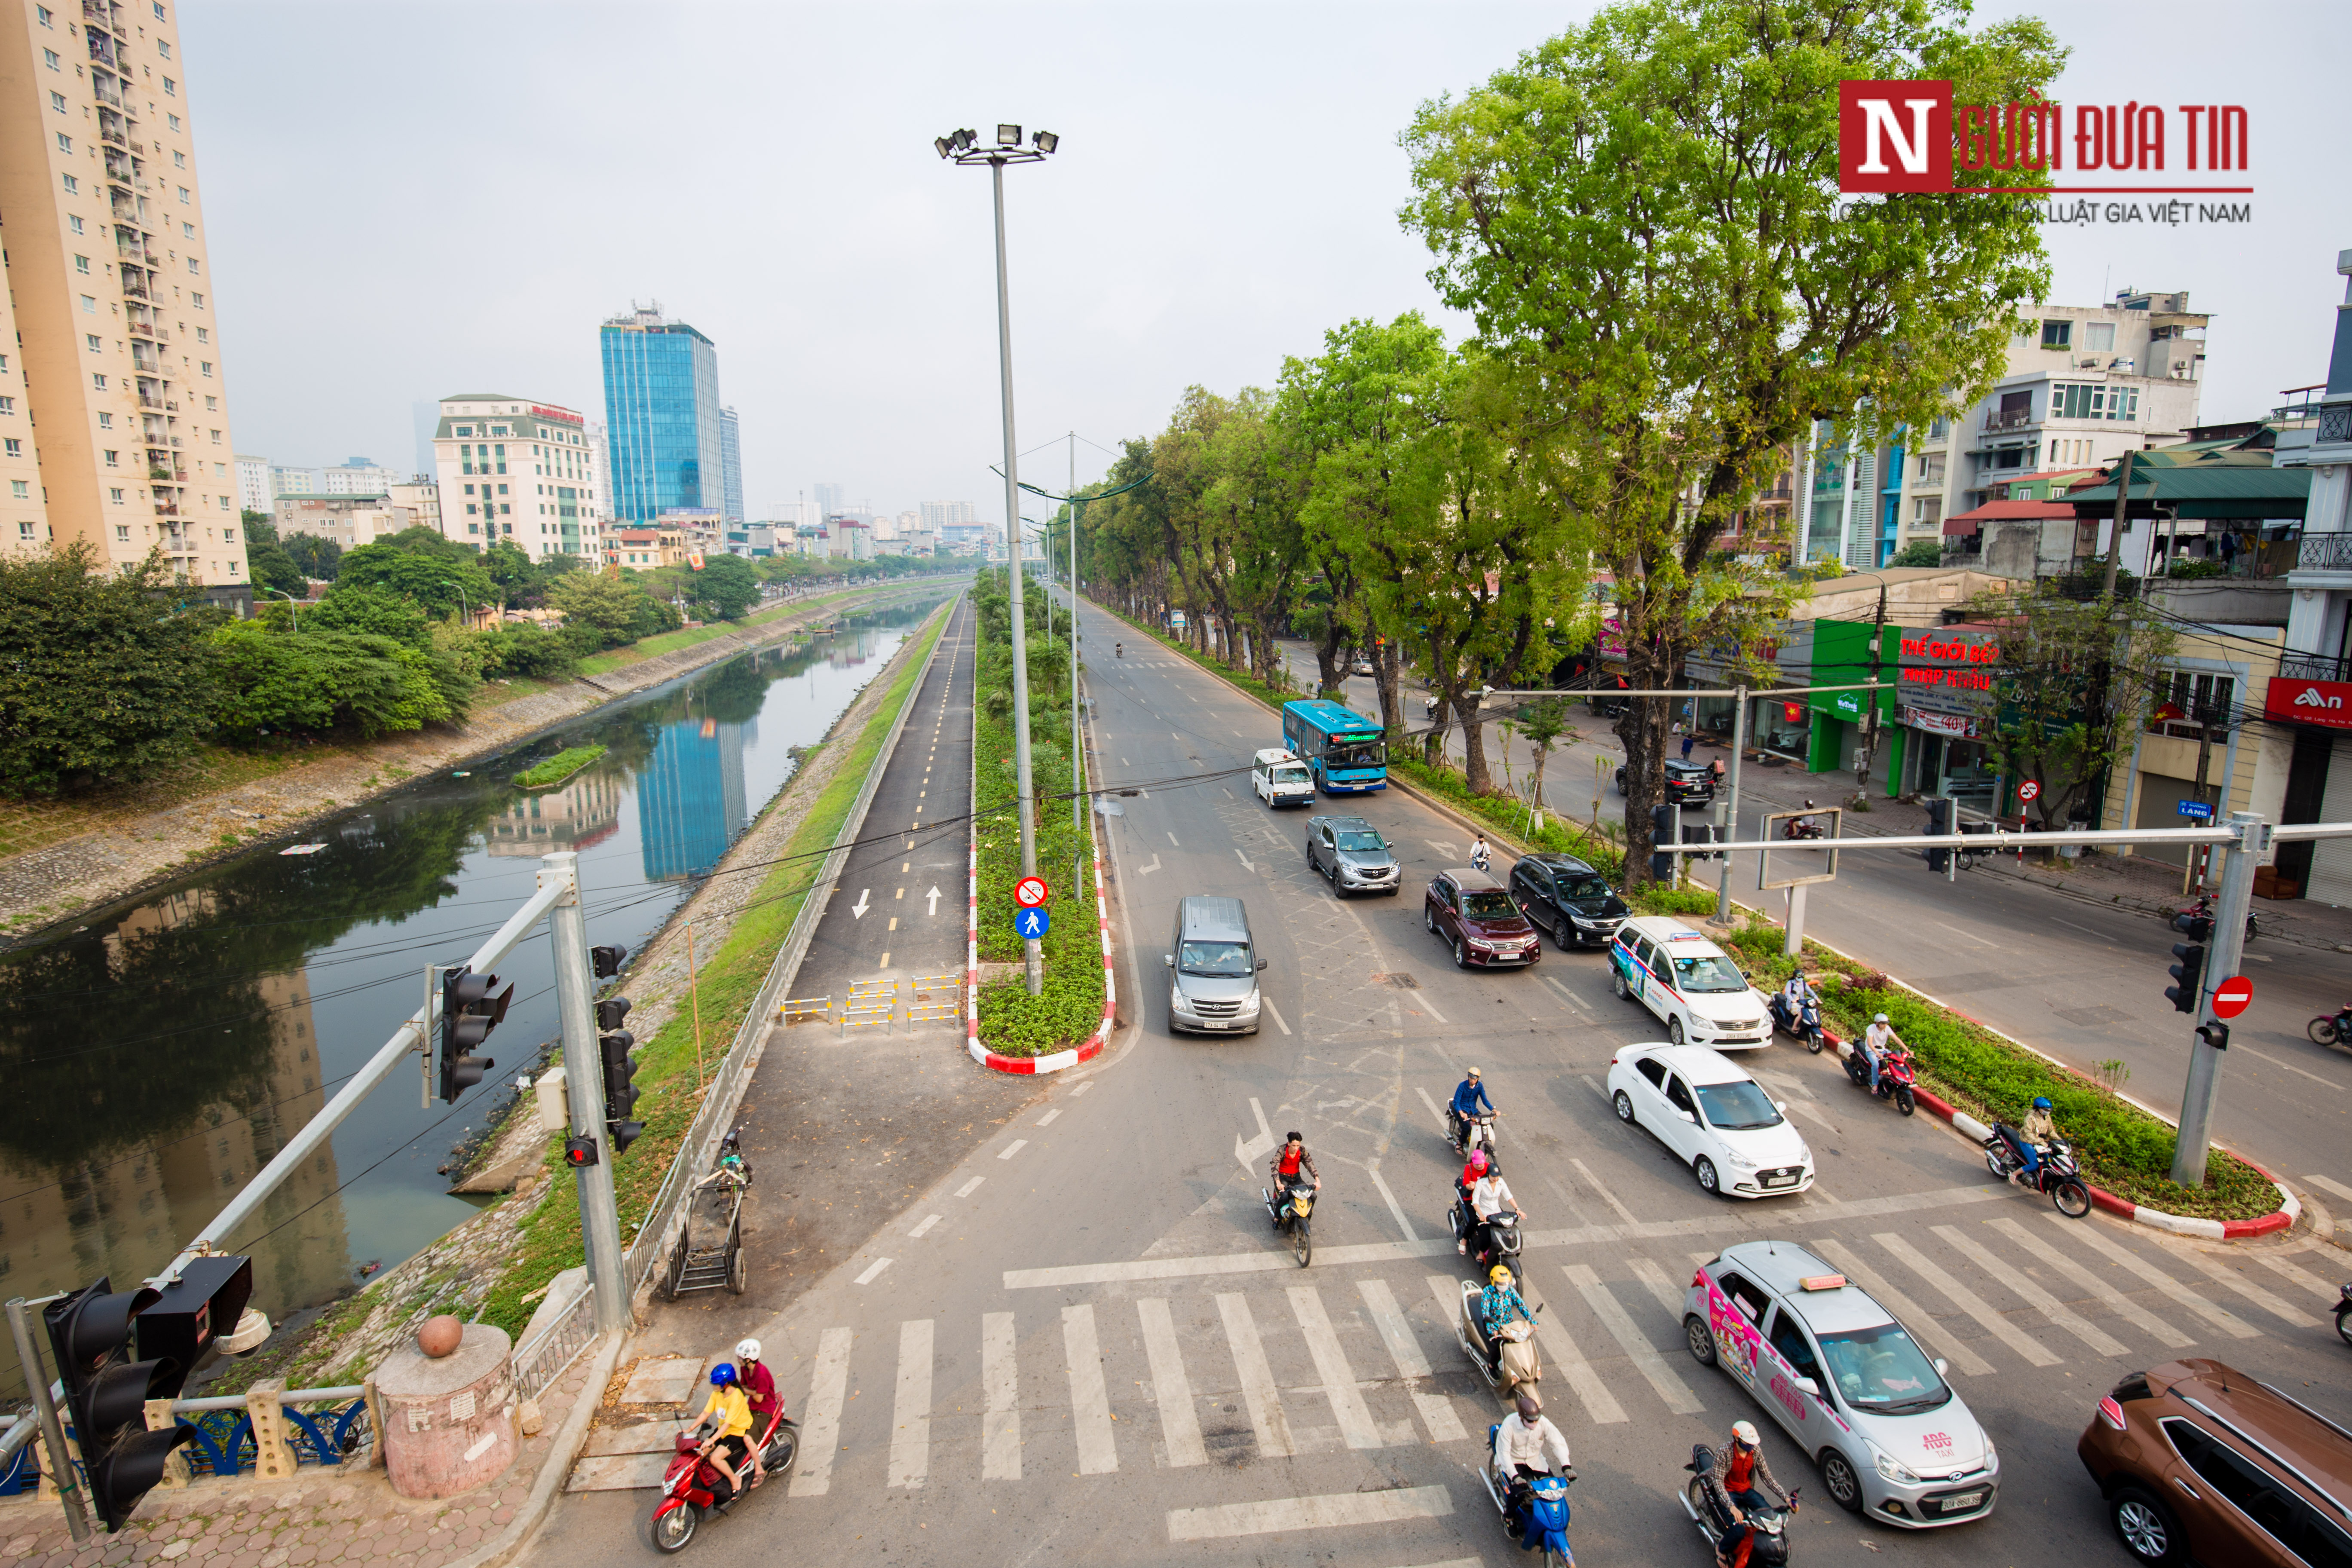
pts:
[2327, 703]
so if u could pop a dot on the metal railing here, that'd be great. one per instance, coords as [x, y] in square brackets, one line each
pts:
[2324, 553]
[540, 1360]
[2007, 418]
[226, 1445]
[2312, 666]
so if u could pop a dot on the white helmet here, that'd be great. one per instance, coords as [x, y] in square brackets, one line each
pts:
[747, 1350]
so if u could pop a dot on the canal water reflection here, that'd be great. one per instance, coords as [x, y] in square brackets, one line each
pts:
[159, 1056]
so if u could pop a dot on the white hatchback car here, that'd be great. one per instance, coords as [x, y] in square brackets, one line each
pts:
[1834, 1368]
[1718, 1121]
[1693, 985]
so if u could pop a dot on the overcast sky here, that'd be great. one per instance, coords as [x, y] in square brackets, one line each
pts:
[409, 199]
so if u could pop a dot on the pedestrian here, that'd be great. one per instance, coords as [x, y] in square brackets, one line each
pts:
[1479, 855]
[1688, 741]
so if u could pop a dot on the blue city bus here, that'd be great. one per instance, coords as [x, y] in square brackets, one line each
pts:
[1345, 750]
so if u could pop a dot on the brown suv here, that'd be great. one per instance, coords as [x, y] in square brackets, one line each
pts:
[2199, 1461]
[1474, 913]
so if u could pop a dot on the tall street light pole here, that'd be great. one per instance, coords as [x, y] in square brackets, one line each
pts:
[963, 147]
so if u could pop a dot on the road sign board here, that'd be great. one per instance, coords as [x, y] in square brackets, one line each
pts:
[1031, 891]
[1032, 924]
[2232, 995]
[2029, 790]
[2197, 810]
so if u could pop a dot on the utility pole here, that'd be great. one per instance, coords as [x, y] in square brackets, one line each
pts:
[1739, 745]
[2224, 948]
[2115, 536]
[1870, 714]
[2202, 857]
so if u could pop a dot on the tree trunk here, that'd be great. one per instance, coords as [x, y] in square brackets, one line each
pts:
[1331, 661]
[1388, 668]
[1432, 744]
[1474, 745]
[1643, 731]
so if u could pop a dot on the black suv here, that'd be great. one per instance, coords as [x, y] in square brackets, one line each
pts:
[1562, 895]
[1687, 784]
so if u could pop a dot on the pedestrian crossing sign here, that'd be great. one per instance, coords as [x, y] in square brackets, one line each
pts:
[1032, 924]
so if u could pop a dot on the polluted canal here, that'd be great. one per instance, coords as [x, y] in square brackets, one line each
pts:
[158, 1056]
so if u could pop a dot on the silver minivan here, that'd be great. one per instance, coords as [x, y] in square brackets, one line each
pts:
[1213, 968]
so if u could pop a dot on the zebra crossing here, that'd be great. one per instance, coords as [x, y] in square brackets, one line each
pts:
[1171, 1373]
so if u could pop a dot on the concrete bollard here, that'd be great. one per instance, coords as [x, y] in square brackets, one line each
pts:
[176, 1473]
[273, 1446]
[449, 1421]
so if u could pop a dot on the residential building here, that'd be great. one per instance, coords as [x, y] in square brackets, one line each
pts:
[661, 405]
[645, 548]
[730, 466]
[350, 521]
[114, 428]
[356, 477]
[939, 516]
[420, 496]
[756, 540]
[828, 499]
[253, 489]
[703, 529]
[528, 472]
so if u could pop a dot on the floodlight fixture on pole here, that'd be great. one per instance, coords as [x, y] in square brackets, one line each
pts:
[963, 147]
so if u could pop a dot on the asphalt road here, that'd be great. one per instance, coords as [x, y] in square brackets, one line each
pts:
[1083, 1343]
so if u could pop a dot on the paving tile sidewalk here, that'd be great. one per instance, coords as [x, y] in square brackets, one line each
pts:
[325, 1514]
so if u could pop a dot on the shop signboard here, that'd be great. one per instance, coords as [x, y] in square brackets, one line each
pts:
[1949, 670]
[1956, 724]
[2326, 704]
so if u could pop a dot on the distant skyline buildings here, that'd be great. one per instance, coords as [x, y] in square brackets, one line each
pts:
[691, 798]
[827, 498]
[731, 464]
[662, 415]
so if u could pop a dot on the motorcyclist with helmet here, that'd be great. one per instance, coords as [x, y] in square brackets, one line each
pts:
[759, 1387]
[1793, 999]
[2029, 1140]
[1737, 1484]
[1469, 1099]
[1875, 1041]
[1500, 1305]
[1527, 1444]
[729, 1415]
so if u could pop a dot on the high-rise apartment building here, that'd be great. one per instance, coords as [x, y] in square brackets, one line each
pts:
[357, 477]
[253, 489]
[828, 499]
[508, 468]
[661, 408]
[938, 515]
[730, 466]
[113, 397]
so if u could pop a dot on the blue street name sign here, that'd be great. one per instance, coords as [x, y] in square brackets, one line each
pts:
[2201, 810]
[1032, 923]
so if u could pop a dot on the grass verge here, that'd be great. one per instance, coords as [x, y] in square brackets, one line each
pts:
[559, 767]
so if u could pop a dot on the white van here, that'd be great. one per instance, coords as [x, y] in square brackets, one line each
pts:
[1281, 779]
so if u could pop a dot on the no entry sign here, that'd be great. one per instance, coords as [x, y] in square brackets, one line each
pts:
[1031, 891]
[2232, 996]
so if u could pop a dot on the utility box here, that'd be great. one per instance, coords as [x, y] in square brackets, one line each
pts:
[555, 1102]
[205, 1304]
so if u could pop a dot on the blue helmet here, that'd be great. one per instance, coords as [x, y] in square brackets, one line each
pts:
[2040, 1102]
[723, 1375]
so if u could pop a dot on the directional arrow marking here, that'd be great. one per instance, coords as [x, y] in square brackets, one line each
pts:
[1245, 859]
[1147, 870]
[1248, 1152]
[858, 911]
[934, 897]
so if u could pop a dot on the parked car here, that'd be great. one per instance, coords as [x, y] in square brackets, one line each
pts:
[1281, 779]
[1844, 1379]
[1693, 985]
[1736, 1138]
[1362, 666]
[1213, 968]
[2200, 1462]
[1473, 912]
[1687, 784]
[1569, 899]
[1352, 854]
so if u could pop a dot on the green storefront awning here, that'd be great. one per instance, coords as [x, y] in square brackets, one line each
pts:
[2202, 491]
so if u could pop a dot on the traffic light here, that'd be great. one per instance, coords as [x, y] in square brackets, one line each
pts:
[471, 1007]
[620, 1090]
[2190, 973]
[1939, 823]
[579, 1150]
[2216, 1035]
[1662, 831]
[607, 961]
[106, 1394]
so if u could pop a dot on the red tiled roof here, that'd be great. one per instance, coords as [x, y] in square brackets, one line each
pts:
[2005, 511]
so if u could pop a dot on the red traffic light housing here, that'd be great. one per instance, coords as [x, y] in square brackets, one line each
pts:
[579, 1150]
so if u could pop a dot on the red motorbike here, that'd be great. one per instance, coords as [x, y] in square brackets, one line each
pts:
[1896, 1076]
[693, 1486]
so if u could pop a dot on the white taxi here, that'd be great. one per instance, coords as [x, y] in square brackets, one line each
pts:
[1736, 1139]
[1693, 985]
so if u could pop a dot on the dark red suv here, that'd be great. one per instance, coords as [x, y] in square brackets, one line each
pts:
[1475, 912]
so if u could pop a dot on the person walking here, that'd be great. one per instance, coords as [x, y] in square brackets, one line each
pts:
[1689, 741]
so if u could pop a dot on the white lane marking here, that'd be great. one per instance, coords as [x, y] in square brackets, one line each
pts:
[1081, 1088]
[873, 1268]
[1653, 1279]
[2221, 1318]
[1089, 1403]
[1594, 1085]
[2085, 931]
[1923, 1328]
[1436, 1410]
[928, 1222]
[1812, 1113]
[2312, 1282]
[1600, 1406]
[999, 1379]
[1171, 838]
[2290, 1067]
[1276, 1013]
[1966, 936]
[1421, 999]
[1179, 1426]
[2049, 1306]
[858, 911]
[1147, 870]
[910, 1407]
[1432, 1104]
[2327, 1185]
[1048, 1120]
[1606, 1195]
[1443, 846]
[965, 1190]
[2123, 1306]
[1013, 1148]
[1968, 1301]
[1565, 993]
[1356, 1426]
[1260, 1396]
[821, 1432]
[1396, 1208]
[1246, 865]
[2251, 1292]
[1329, 1512]
[1632, 1342]
[933, 896]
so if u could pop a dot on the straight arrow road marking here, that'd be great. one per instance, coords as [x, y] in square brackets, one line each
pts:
[934, 897]
[1245, 860]
[858, 911]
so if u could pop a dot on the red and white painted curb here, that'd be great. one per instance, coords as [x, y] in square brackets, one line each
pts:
[1092, 1046]
[2280, 1218]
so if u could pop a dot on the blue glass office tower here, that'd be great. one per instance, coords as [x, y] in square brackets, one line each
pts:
[690, 803]
[661, 410]
[731, 464]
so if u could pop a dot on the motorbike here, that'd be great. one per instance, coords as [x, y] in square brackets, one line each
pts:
[1768, 1548]
[2332, 1029]
[1805, 828]
[2059, 1175]
[1477, 1133]
[1119, 650]
[2344, 1314]
[1806, 1024]
[1503, 1230]
[1541, 1515]
[1896, 1076]
[2196, 921]
[691, 1485]
[1518, 1363]
[1290, 1212]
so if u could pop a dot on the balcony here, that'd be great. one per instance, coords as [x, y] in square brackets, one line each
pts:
[101, 49]
[2009, 419]
[142, 328]
[2324, 553]
[148, 400]
[112, 137]
[137, 289]
[159, 473]
[167, 509]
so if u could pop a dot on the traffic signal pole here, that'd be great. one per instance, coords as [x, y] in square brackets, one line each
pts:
[59, 1468]
[583, 1078]
[2224, 948]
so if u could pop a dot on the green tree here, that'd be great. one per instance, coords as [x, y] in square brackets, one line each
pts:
[439, 573]
[100, 681]
[326, 679]
[1643, 218]
[266, 559]
[376, 612]
[315, 557]
[1919, 553]
[617, 609]
[725, 588]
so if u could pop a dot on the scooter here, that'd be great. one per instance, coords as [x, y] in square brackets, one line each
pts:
[1768, 1548]
[1119, 650]
[1805, 828]
[1290, 1212]
[2058, 1176]
[691, 1485]
[1519, 1363]
[2344, 1314]
[1896, 1076]
[1503, 1231]
[1806, 1027]
[1541, 1520]
[2332, 1029]
[1477, 1133]
[2196, 921]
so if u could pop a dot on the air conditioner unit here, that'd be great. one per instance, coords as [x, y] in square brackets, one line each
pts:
[2089, 361]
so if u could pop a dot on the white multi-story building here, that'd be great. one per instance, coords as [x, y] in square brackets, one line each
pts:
[940, 515]
[356, 477]
[420, 497]
[253, 491]
[527, 472]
